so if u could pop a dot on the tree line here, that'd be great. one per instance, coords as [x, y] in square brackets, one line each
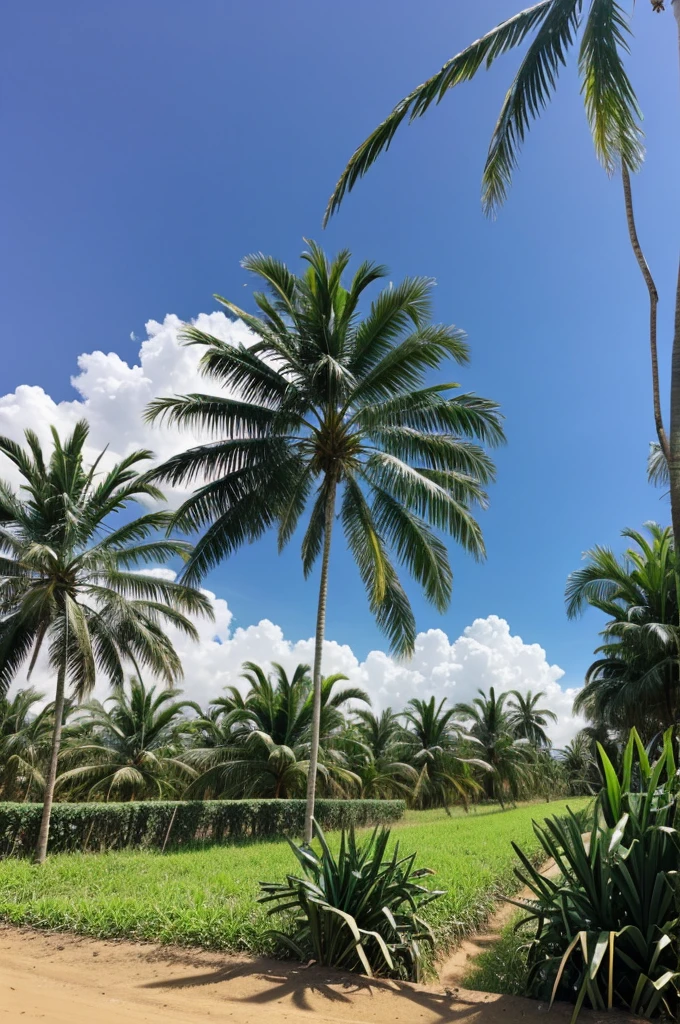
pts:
[146, 743]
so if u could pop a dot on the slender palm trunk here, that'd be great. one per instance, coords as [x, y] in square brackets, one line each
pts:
[674, 462]
[41, 848]
[318, 651]
[653, 306]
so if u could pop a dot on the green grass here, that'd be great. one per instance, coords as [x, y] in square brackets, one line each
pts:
[207, 897]
[502, 968]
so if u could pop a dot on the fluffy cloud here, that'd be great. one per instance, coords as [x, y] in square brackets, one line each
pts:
[486, 655]
[113, 396]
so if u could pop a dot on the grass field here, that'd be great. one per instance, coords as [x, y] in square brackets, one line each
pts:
[207, 897]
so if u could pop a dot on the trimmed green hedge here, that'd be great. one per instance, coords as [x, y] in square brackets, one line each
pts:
[150, 824]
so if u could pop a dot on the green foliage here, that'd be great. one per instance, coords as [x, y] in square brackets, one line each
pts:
[636, 681]
[607, 929]
[208, 896]
[333, 407]
[148, 824]
[610, 103]
[499, 744]
[358, 909]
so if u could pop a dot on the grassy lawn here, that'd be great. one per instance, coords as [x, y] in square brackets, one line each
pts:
[207, 897]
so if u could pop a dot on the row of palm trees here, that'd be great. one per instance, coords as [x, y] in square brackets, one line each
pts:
[147, 744]
[328, 417]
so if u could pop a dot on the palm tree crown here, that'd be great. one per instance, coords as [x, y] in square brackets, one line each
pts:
[326, 401]
[69, 581]
[528, 721]
[551, 28]
[129, 749]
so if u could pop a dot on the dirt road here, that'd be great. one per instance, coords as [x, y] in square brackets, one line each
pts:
[65, 979]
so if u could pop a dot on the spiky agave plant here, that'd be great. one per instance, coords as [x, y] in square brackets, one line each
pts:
[359, 910]
[607, 928]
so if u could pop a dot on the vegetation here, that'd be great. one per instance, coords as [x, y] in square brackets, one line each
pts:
[635, 681]
[209, 897]
[332, 414]
[607, 929]
[359, 910]
[70, 584]
[79, 828]
[144, 745]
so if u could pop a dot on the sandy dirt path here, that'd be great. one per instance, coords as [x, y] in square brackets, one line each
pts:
[57, 978]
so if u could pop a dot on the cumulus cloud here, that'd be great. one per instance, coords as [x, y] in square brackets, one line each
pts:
[486, 655]
[112, 396]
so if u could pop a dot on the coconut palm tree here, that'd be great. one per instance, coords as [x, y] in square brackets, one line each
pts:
[551, 29]
[129, 751]
[636, 680]
[259, 744]
[433, 744]
[526, 720]
[507, 757]
[580, 766]
[69, 583]
[25, 738]
[375, 747]
[328, 412]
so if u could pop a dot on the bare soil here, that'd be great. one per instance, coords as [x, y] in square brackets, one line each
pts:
[58, 978]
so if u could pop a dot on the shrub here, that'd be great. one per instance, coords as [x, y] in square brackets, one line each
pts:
[358, 910]
[152, 824]
[607, 930]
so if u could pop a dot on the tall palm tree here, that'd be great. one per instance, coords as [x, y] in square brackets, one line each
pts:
[432, 743]
[636, 680]
[508, 757]
[130, 750]
[528, 721]
[258, 745]
[68, 579]
[550, 29]
[25, 738]
[329, 412]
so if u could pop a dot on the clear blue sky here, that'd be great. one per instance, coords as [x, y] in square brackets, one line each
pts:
[149, 146]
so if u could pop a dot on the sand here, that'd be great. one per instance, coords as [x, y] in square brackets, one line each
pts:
[58, 978]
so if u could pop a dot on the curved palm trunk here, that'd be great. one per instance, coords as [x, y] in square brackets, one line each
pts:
[318, 651]
[653, 306]
[674, 462]
[41, 848]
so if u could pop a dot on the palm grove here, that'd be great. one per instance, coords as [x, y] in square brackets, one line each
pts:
[328, 417]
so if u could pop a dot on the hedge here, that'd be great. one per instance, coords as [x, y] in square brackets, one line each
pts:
[154, 824]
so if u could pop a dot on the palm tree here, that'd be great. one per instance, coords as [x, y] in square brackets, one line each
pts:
[375, 746]
[130, 751]
[526, 720]
[636, 680]
[579, 765]
[68, 579]
[613, 115]
[507, 756]
[431, 743]
[259, 744]
[25, 737]
[329, 411]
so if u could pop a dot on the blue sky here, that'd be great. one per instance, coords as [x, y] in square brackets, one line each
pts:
[148, 147]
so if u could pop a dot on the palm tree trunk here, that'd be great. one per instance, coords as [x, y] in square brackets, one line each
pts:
[674, 461]
[653, 305]
[48, 798]
[318, 651]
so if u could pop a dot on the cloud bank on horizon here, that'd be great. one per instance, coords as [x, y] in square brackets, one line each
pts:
[113, 396]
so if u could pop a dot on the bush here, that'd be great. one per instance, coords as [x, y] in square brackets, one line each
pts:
[356, 911]
[607, 929]
[152, 824]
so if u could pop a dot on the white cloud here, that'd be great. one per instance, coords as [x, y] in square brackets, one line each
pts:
[113, 396]
[486, 655]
